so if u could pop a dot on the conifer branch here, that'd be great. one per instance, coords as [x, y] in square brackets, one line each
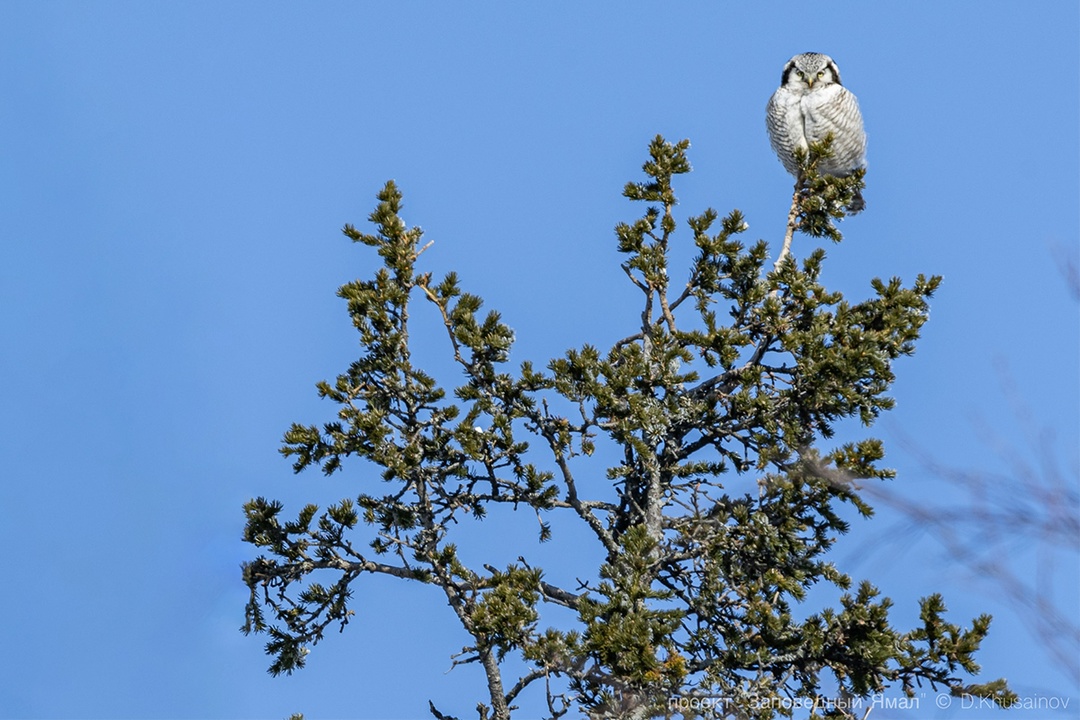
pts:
[715, 517]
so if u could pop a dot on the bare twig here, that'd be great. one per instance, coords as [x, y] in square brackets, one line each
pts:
[792, 223]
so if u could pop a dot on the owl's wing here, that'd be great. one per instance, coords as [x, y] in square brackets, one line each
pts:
[783, 119]
[835, 110]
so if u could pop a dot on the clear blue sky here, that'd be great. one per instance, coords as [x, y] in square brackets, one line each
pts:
[174, 177]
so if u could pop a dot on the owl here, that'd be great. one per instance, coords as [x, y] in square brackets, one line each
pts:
[809, 104]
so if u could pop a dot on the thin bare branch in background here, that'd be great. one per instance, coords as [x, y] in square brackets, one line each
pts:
[1031, 506]
[1068, 262]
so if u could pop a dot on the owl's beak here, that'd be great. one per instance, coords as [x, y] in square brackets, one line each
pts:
[810, 80]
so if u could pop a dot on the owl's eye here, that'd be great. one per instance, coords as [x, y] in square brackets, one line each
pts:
[821, 74]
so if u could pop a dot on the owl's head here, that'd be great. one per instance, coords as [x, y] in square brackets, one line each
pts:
[809, 70]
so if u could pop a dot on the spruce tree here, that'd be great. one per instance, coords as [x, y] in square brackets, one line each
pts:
[722, 496]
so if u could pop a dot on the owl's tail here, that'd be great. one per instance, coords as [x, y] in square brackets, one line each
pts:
[857, 203]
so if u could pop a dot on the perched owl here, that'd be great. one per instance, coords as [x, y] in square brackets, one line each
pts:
[809, 104]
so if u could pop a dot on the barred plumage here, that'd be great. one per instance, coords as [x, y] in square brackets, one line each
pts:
[809, 104]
